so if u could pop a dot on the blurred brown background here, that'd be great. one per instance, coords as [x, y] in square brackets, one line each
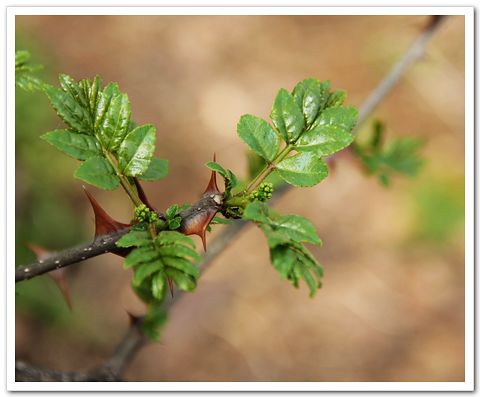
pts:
[392, 305]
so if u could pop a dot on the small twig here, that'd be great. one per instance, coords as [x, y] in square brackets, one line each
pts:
[110, 371]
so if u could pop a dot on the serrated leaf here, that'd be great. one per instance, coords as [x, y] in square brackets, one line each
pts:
[157, 169]
[312, 284]
[287, 116]
[114, 126]
[336, 99]
[70, 86]
[92, 90]
[78, 146]
[144, 271]
[140, 255]
[257, 211]
[98, 172]
[217, 168]
[134, 238]
[259, 136]
[344, 118]
[283, 259]
[311, 96]
[181, 264]
[297, 228]
[168, 237]
[158, 286]
[136, 150]
[324, 140]
[103, 103]
[183, 281]
[180, 251]
[302, 169]
[70, 111]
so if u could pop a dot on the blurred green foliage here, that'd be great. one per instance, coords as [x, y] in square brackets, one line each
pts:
[46, 211]
[439, 209]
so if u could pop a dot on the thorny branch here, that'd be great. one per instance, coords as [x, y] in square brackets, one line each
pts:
[111, 370]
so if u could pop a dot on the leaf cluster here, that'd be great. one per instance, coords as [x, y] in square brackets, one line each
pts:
[309, 124]
[168, 256]
[286, 235]
[399, 156]
[100, 133]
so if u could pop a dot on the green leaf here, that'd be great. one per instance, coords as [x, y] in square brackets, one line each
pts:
[217, 168]
[144, 271]
[259, 136]
[79, 146]
[336, 99]
[341, 117]
[158, 286]
[70, 111]
[283, 259]
[179, 251]
[140, 255]
[221, 221]
[92, 90]
[287, 116]
[21, 57]
[103, 101]
[183, 281]
[70, 86]
[114, 126]
[311, 96]
[297, 228]
[168, 237]
[98, 172]
[181, 264]
[257, 211]
[134, 238]
[157, 169]
[136, 151]
[303, 169]
[324, 140]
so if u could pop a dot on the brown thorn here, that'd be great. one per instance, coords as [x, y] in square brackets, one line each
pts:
[212, 186]
[104, 223]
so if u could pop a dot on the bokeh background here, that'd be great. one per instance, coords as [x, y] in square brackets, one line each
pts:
[392, 305]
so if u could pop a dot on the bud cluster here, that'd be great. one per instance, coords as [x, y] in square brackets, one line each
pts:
[263, 193]
[145, 214]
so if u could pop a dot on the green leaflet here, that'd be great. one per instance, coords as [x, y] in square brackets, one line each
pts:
[324, 140]
[78, 146]
[294, 263]
[181, 264]
[259, 136]
[183, 281]
[141, 255]
[92, 90]
[103, 101]
[303, 169]
[146, 270]
[70, 111]
[287, 116]
[344, 118]
[98, 172]
[336, 99]
[115, 122]
[158, 286]
[70, 86]
[134, 238]
[283, 228]
[157, 169]
[311, 96]
[136, 151]
[168, 237]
